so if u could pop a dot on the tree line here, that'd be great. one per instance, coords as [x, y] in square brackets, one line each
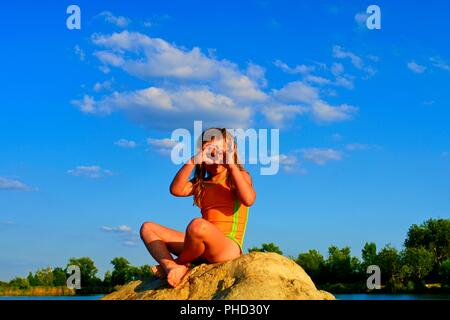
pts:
[425, 259]
[122, 273]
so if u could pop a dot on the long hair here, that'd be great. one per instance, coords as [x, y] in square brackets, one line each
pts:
[200, 173]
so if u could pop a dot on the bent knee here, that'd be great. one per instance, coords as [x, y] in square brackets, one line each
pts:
[197, 227]
[147, 227]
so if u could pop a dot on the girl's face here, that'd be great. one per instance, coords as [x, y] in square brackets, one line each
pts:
[216, 152]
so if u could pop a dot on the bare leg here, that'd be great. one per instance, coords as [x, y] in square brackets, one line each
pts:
[194, 245]
[204, 238]
[160, 241]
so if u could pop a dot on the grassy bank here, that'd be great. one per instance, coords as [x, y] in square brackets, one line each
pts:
[38, 291]
[359, 287]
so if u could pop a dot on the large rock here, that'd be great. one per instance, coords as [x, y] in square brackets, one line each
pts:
[253, 276]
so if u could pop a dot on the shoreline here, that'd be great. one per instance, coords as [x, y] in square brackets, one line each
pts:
[38, 292]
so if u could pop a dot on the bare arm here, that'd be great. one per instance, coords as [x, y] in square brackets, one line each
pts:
[181, 186]
[243, 183]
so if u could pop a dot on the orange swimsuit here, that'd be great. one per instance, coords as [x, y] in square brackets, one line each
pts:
[223, 209]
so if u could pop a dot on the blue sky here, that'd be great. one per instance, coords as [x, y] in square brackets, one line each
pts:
[86, 114]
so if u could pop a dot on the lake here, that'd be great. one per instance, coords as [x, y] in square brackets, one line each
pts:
[357, 296]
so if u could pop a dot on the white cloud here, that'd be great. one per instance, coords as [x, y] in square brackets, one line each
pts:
[357, 146]
[189, 85]
[340, 53]
[79, 52]
[100, 86]
[291, 164]
[297, 91]
[153, 107]
[125, 233]
[155, 20]
[344, 82]
[86, 105]
[299, 69]
[130, 243]
[119, 21]
[324, 112]
[257, 74]
[124, 143]
[148, 24]
[163, 146]
[109, 58]
[337, 69]
[89, 172]
[104, 69]
[157, 58]
[12, 184]
[317, 80]
[438, 62]
[280, 114]
[119, 229]
[414, 67]
[321, 156]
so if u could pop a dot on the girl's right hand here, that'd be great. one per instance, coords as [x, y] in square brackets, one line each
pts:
[205, 155]
[197, 159]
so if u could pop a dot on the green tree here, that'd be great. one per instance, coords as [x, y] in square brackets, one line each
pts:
[59, 277]
[444, 272]
[341, 266]
[313, 263]
[122, 272]
[3, 285]
[19, 283]
[368, 255]
[44, 277]
[32, 280]
[88, 272]
[145, 272]
[434, 235]
[140, 273]
[107, 280]
[388, 259]
[267, 247]
[419, 263]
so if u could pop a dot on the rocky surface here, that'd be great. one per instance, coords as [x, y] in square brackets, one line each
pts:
[253, 276]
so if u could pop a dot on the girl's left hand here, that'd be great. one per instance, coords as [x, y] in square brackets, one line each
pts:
[229, 154]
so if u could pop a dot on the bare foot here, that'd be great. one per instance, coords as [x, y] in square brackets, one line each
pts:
[158, 271]
[175, 274]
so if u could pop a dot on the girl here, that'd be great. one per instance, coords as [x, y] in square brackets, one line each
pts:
[223, 190]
